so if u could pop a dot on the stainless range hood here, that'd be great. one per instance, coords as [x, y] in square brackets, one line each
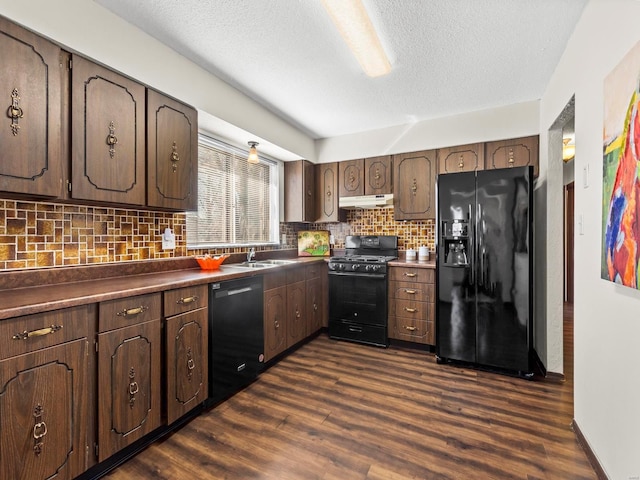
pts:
[366, 201]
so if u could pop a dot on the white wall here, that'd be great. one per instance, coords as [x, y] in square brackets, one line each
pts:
[495, 124]
[89, 29]
[607, 325]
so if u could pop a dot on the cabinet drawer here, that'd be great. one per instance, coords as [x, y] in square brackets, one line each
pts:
[128, 311]
[411, 330]
[409, 309]
[274, 279]
[295, 275]
[314, 270]
[419, 292]
[26, 334]
[184, 299]
[412, 274]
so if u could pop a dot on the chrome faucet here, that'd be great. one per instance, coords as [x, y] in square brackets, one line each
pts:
[251, 254]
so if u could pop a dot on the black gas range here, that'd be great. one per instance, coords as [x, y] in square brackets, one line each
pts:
[358, 289]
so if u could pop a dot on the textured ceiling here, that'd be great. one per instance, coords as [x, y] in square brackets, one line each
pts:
[447, 56]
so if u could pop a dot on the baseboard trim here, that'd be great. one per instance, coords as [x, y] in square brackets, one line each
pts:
[552, 377]
[587, 450]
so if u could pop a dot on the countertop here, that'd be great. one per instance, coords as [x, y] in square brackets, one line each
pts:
[16, 302]
[403, 262]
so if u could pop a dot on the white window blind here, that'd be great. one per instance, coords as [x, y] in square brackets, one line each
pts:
[237, 200]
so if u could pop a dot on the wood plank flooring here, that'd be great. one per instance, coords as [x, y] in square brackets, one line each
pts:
[337, 410]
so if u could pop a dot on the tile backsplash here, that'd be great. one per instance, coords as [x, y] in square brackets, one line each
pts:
[39, 234]
[42, 234]
[374, 221]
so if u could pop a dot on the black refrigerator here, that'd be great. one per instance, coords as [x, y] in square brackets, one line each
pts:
[484, 284]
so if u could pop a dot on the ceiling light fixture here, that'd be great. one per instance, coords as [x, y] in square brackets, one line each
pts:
[353, 23]
[253, 153]
[568, 149]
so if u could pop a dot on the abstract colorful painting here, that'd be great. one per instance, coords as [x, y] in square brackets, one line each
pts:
[620, 170]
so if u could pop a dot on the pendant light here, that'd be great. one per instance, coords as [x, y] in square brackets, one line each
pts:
[568, 149]
[253, 153]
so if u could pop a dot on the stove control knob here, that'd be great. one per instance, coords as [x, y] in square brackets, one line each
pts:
[368, 267]
[375, 268]
[354, 267]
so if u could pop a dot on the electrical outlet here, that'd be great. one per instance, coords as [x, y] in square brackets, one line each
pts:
[168, 240]
[283, 239]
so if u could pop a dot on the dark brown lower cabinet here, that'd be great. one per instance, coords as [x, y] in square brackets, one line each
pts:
[44, 406]
[296, 313]
[186, 362]
[411, 304]
[314, 300]
[128, 385]
[275, 322]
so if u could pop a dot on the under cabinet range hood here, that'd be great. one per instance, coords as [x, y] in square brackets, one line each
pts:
[366, 201]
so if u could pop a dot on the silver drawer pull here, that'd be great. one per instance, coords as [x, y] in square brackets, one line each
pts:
[37, 333]
[132, 311]
[186, 300]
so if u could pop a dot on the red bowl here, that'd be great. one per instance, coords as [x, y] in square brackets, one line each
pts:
[208, 262]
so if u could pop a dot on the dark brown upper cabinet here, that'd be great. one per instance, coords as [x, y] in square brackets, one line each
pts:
[516, 152]
[108, 130]
[351, 175]
[327, 193]
[414, 182]
[299, 198]
[172, 153]
[463, 158]
[33, 92]
[377, 175]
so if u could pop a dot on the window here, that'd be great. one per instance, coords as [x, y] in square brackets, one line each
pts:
[237, 201]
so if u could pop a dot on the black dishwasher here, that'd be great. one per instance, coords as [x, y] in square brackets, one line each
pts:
[236, 335]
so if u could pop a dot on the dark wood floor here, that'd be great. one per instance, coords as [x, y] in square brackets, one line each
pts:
[336, 410]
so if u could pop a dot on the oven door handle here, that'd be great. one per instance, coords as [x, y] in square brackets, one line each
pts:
[373, 276]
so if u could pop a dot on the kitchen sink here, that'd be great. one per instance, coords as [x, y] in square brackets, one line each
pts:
[276, 261]
[252, 265]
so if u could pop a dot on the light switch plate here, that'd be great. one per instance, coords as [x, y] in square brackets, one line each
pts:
[585, 176]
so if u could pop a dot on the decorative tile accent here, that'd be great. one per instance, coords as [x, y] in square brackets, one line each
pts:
[376, 221]
[37, 234]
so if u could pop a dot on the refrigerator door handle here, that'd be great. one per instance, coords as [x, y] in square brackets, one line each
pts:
[480, 237]
[472, 259]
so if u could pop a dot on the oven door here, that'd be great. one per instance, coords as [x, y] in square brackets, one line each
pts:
[358, 307]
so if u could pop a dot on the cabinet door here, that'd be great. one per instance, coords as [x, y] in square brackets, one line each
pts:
[44, 413]
[33, 90]
[313, 288]
[296, 313]
[414, 182]
[378, 175]
[299, 205]
[128, 385]
[172, 153]
[324, 276]
[327, 193]
[517, 152]
[463, 158]
[186, 362]
[351, 174]
[275, 322]
[108, 128]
